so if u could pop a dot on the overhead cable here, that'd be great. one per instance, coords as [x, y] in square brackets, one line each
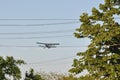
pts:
[39, 24]
[38, 37]
[64, 19]
[38, 46]
[16, 46]
[37, 32]
[53, 60]
[41, 19]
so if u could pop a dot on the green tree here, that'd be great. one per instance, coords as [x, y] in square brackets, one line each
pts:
[9, 67]
[70, 77]
[87, 77]
[102, 58]
[32, 76]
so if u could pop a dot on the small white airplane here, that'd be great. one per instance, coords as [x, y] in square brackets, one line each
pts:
[48, 45]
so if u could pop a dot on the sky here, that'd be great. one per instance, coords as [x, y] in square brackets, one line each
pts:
[18, 39]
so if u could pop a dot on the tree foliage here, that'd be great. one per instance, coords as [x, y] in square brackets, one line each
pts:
[70, 77]
[32, 76]
[102, 58]
[9, 68]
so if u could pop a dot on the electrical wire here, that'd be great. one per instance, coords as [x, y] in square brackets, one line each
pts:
[36, 19]
[38, 24]
[37, 32]
[38, 37]
[39, 46]
[53, 60]
[55, 47]
[42, 19]
[16, 46]
[50, 64]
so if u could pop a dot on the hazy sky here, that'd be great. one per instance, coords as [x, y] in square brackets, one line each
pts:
[58, 59]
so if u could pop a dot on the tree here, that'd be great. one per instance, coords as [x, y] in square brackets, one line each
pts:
[102, 58]
[56, 76]
[32, 76]
[70, 77]
[9, 67]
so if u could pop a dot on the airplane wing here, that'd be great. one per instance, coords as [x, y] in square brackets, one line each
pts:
[47, 46]
[42, 46]
[48, 43]
[40, 43]
[53, 43]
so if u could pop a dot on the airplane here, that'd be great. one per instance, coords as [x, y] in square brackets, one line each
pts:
[47, 45]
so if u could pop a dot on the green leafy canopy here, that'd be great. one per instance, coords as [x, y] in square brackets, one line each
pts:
[9, 67]
[102, 58]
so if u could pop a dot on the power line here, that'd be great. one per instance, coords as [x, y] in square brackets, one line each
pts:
[38, 37]
[73, 46]
[42, 19]
[55, 64]
[38, 46]
[16, 46]
[56, 47]
[37, 19]
[53, 60]
[38, 24]
[38, 32]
